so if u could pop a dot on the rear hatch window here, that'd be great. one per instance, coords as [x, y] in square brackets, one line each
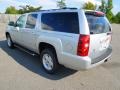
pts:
[98, 24]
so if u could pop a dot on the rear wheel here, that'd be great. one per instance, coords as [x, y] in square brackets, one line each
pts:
[9, 41]
[49, 61]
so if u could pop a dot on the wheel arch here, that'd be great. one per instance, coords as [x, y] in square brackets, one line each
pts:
[43, 45]
[7, 33]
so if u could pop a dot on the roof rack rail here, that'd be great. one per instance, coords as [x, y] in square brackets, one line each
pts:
[63, 8]
[40, 10]
[57, 9]
[68, 8]
[54, 9]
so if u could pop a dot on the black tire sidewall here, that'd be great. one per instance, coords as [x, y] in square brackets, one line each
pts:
[11, 46]
[54, 58]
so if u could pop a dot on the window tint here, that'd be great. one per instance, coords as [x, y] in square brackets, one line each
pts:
[21, 21]
[63, 22]
[97, 24]
[31, 21]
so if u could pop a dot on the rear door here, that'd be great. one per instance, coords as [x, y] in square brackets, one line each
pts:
[100, 35]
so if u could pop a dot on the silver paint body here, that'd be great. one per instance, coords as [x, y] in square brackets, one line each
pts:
[65, 44]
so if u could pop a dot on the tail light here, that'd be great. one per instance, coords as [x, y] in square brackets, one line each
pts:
[83, 45]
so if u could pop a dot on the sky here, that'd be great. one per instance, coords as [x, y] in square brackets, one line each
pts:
[51, 4]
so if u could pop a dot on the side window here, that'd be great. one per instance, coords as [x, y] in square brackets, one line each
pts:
[31, 21]
[62, 22]
[21, 21]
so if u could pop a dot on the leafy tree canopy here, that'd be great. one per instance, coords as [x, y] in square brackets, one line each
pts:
[61, 4]
[28, 8]
[24, 9]
[103, 6]
[11, 10]
[116, 18]
[89, 6]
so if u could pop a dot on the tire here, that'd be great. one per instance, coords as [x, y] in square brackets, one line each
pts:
[49, 61]
[9, 41]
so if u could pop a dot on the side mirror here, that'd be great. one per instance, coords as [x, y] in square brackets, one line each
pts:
[11, 23]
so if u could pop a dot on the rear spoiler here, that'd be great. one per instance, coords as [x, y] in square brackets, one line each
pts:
[95, 13]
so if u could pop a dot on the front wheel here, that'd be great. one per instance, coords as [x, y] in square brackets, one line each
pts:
[9, 41]
[49, 61]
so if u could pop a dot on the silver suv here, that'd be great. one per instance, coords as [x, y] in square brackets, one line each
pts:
[74, 38]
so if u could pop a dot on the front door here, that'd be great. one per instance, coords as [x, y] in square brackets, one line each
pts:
[19, 26]
[29, 33]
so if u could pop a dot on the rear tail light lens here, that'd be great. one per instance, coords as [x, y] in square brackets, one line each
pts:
[83, 45]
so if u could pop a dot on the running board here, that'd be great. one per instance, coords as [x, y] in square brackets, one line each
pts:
[26, 50]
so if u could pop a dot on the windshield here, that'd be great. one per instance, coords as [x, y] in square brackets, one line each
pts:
[98, 24]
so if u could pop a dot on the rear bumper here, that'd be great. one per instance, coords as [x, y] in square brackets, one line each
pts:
[83, 63]
[101, 59]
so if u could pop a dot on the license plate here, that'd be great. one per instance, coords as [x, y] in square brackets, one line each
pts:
[105, 42]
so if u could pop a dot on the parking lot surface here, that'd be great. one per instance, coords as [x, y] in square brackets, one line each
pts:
[21, 71]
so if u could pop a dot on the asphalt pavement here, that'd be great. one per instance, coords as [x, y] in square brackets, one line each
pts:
[21, 71]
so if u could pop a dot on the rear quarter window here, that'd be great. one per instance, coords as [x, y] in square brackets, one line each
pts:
[98, 24]
[61, 22]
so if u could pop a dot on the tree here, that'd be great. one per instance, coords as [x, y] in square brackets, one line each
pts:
[109, 13]
[24, 9]
[118, 16]
[110, 16]
[11, 10]
[61, 4]
[106, 8]
[28, 8]
[103, 6]
[89, 6]
[110, 6]
[116, 19]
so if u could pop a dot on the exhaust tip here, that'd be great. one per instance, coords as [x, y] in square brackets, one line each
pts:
[106, 60]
